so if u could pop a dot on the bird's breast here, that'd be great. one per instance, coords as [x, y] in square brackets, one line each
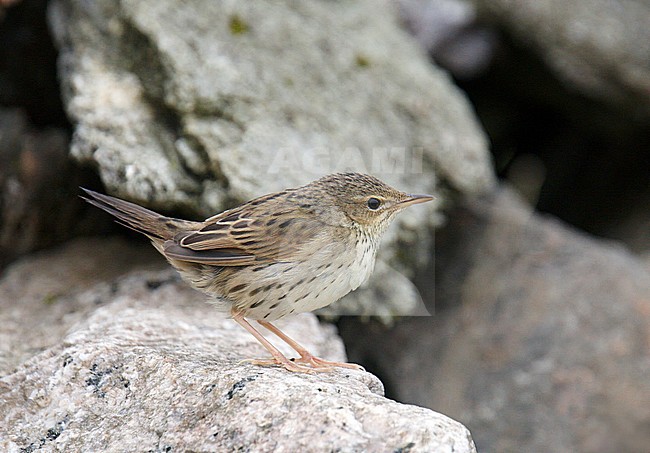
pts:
[366, 249]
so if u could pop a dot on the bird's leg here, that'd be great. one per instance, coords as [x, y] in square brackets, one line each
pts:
[278, 357]
[305, 356]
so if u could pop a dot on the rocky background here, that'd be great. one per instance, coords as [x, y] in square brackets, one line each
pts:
[530, 121]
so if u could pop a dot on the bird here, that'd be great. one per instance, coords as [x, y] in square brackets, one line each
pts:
[286, 252]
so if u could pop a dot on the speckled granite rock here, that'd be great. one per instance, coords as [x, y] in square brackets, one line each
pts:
[36, 309]
[109, 359]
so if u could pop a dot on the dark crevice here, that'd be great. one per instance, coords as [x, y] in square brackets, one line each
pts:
[595, 156]
[28, 62]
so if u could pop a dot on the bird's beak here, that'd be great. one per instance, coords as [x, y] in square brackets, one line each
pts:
[415, 199]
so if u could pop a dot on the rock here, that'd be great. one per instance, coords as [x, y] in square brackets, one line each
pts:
[597, 46]
[451, 33]
[204, 102]
[198, 105]
[540, 339]
[141, 358]
[36, 310]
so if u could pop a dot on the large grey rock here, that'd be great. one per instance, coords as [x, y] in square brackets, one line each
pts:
[540, 339]
[201, 104]
[192, 102]
[35, 308]
[134, 360]
[599, 47]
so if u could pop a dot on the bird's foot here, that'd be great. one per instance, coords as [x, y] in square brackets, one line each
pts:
[316, 363]
[287, 364]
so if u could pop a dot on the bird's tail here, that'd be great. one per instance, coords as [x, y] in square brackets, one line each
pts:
[137, 218]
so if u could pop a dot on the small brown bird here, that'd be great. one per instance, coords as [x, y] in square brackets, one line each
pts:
[287, 252]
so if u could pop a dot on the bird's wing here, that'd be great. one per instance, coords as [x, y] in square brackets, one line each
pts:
[245, 236]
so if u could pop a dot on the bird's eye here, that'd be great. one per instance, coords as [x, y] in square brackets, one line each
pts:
[374, 203]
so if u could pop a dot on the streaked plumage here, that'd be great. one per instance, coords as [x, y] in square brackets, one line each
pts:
[287, 252]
